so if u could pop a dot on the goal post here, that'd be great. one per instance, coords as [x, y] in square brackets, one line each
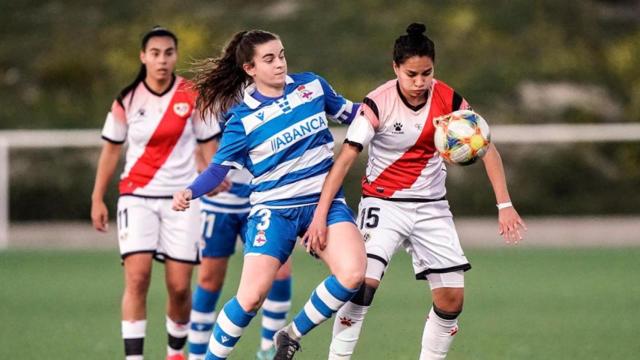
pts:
[501, 134]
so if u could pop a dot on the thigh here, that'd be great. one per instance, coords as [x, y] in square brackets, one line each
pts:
[345, 249]
[271, 232]
[179, 232]
[384, 225]
[138, 226]
[220, 232]
[258, 273]
[434, 245]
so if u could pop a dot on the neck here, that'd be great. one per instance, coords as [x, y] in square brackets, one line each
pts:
[270, 91]
[158, 86]
[415, 100]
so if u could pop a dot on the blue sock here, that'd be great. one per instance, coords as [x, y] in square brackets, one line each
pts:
[274, 311]
[203, 316]
[325, 300]
[227, 331]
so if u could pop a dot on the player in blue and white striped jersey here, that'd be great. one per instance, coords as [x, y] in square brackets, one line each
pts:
[280, 134]
[224, 217]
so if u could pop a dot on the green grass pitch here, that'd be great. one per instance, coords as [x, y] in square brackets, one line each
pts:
[521, 303]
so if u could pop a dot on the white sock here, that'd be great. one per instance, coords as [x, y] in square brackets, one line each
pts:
[177, 336]
[346, 330]
[437, 337]
[133, 335]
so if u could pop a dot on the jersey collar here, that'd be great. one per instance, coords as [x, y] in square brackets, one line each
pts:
[251, 101]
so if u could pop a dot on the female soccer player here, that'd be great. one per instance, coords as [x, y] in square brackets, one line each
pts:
[156, 116]
[224, 217]
[279, 133]
[403, 200]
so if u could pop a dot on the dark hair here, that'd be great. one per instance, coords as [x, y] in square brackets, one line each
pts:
[414, 43]
[156, 31]
[220, 81]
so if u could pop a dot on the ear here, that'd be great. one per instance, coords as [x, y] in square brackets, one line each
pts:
[250, 69]
[142, 59]
[396, 68]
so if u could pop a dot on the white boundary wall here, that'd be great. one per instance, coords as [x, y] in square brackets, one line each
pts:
[501, 134]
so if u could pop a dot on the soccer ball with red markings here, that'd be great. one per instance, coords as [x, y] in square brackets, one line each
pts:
[461, 137]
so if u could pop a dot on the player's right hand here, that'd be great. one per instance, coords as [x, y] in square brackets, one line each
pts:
[315, 239]
[181, 200]
[100, 216]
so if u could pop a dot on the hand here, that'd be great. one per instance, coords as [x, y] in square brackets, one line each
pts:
[315, 239]
[181, 200]
[225, 185]
[510, 224]
[100, 216]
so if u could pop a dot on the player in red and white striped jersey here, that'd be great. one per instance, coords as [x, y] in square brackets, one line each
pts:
[156, 117]
[403, 201]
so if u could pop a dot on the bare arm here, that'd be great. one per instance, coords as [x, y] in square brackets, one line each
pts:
[316, 233]
[205, 153]
[509, 221]
[107, 163]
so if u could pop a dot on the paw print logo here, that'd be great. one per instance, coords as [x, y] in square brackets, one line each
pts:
[397, 126]
[346, 321]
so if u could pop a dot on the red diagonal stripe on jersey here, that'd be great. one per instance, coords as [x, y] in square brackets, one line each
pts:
[160, 144]
[406, 170]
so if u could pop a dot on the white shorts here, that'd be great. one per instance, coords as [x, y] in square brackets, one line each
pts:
[424, 229]
[148, 225]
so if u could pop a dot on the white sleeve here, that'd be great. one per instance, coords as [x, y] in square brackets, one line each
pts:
[115, 126]
[360, 132]
[206, 128]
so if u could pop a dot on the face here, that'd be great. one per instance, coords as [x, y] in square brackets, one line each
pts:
[269, 67]
[415, 75]
[160, 56]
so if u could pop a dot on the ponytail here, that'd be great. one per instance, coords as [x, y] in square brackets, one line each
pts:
[220, 81]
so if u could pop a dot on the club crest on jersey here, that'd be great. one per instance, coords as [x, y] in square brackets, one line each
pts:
[181, 109]
[304, 93]
[260, 239]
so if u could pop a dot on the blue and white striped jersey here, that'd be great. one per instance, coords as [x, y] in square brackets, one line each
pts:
[234, 201]
[285, 142]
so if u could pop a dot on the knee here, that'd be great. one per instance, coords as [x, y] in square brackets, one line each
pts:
[179, 293]
[138, 284]
[364, 296]
[250, 302]
[211, 281]
[449, 305]
[351, 277]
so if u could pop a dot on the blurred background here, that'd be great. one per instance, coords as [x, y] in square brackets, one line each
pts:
[517, 62]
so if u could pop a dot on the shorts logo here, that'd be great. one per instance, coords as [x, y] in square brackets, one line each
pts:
[260, 239]
[181, 109]
[366, 237]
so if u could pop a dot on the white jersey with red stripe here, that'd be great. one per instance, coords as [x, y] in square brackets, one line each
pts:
[403, 161]
[161, 131]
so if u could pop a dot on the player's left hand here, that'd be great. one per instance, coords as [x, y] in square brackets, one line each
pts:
[510, 225]
[315, 239]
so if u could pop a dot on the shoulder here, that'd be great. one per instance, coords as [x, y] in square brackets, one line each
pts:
[186, 87]
[382, 91]
[304, 77]
[440, 86]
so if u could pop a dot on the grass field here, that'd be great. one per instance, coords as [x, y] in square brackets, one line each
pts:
[520, 304]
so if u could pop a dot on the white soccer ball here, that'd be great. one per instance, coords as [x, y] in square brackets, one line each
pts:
[461, 137]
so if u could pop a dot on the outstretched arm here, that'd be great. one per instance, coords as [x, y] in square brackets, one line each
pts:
[509, 221]
[208, 180]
